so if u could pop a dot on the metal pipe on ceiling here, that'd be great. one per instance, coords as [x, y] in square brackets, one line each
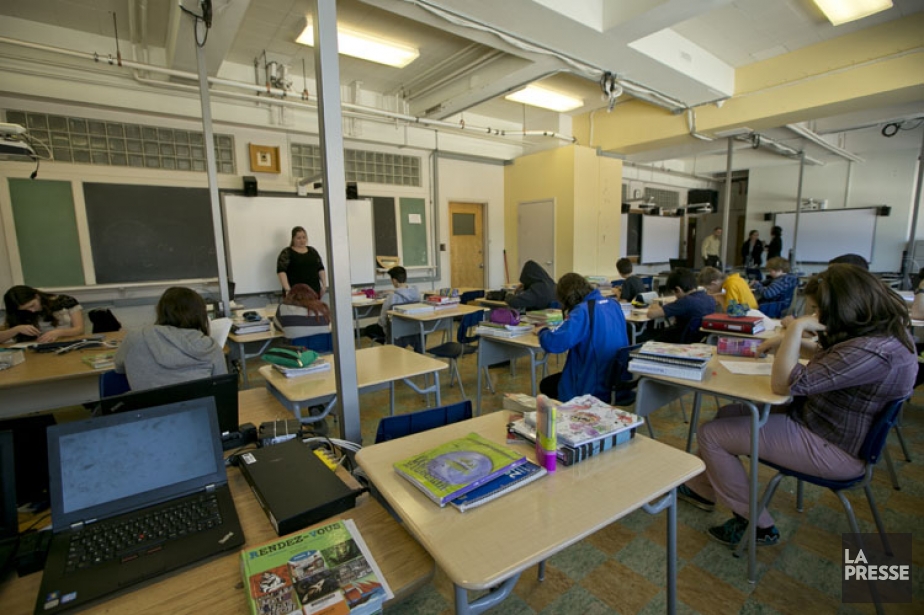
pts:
[815, 138]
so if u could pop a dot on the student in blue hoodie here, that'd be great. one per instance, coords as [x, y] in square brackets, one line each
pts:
[593, 331]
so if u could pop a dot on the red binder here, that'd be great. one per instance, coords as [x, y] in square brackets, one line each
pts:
[734, 324]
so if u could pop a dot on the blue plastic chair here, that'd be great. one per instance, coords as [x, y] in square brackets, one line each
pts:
[322, 343]
[464, 344]
[873, 447]
[112, 383]
[394, 427]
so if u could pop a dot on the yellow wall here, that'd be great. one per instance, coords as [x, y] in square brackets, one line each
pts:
[587, 192]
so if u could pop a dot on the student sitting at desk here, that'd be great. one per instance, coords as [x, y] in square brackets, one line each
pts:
[865, 360]
[917, 306]
[175, 349]
[593, 331]
[777, 289]
[302, 313]
[726, 288]
[632, 285]
[402, 294]
[536, 290]
[30, 313]
[688, 310]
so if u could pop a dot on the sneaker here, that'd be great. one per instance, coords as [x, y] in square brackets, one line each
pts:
[691, 497]
[732, 531]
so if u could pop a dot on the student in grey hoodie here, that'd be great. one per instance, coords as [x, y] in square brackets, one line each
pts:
[536, 290]
[177, 348]
[401, 295]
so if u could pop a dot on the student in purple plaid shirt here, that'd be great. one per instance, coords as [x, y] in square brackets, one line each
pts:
[863, 359]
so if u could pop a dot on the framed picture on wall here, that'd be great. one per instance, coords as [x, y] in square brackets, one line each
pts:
[264, 158]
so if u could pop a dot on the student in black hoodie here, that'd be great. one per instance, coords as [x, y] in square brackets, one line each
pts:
[536, 290]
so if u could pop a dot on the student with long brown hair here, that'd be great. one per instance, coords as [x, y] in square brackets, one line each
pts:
[302, 314]
[176, 348]
[865, 358]
[31, 313]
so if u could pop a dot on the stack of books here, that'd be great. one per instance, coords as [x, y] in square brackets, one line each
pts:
[413, 308]
[323, 570]
[246, 327]
[440, 302]
[585, 426]
[459, 467]
[549, 318]
[750, 325]
[626, 308]
[493, 329]
[103, 360]
[684, 361]
[321, 364]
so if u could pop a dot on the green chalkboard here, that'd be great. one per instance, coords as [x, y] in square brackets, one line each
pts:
[46, 231]
[413, 232]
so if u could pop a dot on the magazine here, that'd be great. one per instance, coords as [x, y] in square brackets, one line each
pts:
[680, 354]
[327, 570]
[447, 471]
[586, 418]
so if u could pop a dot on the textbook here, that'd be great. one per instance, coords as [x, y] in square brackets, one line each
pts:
[511, 480]
[103, 360]
[492, 329]
[246, 327]
[452, 469]
[327, 570]
[657, 368]
[519, 402]
[570, 455]
[676, 354]
[586, 418]
[739, 324]
[321, 364]
[413, 308]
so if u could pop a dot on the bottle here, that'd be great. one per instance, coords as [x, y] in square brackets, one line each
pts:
[546, 444]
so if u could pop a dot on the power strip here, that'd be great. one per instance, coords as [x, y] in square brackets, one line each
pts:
[327, 456]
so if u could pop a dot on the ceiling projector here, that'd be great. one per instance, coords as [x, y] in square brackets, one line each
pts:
[13, 145]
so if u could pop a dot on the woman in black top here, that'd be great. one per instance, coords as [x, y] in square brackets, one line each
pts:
[752, 252]
[301, 264]
[775, 247]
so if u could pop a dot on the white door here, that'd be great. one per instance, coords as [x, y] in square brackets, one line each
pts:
[536, 236]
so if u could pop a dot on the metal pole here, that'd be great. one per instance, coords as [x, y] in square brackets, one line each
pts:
[330, 120]
[209, 139]
[912, 232]
[727, 213]
[795, 231]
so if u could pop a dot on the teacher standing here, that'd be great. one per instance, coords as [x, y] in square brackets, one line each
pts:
[301, 264]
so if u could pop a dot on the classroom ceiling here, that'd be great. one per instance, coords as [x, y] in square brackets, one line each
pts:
[473, 52]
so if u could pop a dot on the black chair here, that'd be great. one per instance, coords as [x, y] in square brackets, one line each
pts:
[465, 344]
[873, 447]
[112, 383]
[322, 343]
[622, 383]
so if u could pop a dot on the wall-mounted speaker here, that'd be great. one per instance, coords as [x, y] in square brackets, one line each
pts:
[768, 217]
[625, 208]
[352, 192]
[884, 210]
[250, 185]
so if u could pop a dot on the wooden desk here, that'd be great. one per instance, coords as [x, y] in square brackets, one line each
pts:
[238, 343]
[426, 323]
[215, 586]
[45, 380]
[493, 350]
[488, 547]
[375, 367]
[490, 303]
[369, 308]
[657, 391]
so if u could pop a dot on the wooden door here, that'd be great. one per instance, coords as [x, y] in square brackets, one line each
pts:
[466, 245]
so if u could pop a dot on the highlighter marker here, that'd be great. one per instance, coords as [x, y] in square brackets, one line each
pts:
[546, 444]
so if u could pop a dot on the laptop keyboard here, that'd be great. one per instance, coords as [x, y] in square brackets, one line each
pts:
[128, 539]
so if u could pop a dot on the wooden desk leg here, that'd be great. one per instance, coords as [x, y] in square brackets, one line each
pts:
[669, 502]
[487, 601]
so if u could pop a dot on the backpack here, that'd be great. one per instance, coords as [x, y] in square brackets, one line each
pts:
[505, 316]
[104, 321]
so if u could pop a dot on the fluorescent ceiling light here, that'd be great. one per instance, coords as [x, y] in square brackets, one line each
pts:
[843, 11]
[365, 46]
[547, 99]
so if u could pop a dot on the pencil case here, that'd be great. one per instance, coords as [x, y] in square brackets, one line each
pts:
[738, 346]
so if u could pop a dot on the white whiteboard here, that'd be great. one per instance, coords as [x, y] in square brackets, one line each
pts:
[258, 228]
[826, 234]
[660, 239]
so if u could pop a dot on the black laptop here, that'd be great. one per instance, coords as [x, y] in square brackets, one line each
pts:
[9, 520]
[133, 495]
[223, 388]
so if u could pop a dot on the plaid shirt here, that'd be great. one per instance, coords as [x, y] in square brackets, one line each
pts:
[846, 386]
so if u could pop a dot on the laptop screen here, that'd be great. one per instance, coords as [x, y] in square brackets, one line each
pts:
[8, 517]
[122, 462]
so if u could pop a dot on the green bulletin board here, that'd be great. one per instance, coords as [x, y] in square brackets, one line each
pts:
[413, 232]
[46, 231]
